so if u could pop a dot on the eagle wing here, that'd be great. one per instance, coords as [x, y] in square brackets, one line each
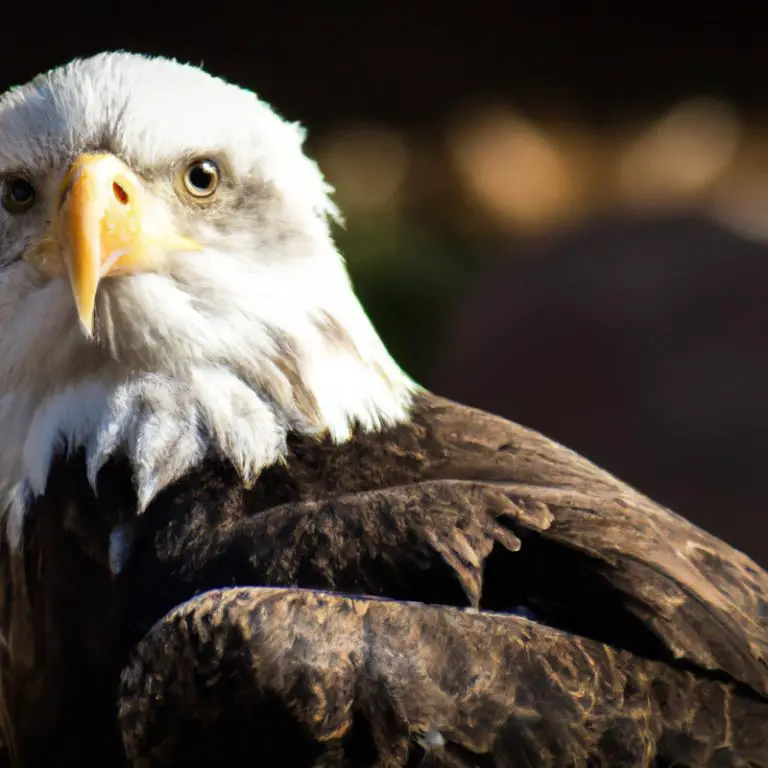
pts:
[705, 601]
[646, 637]
[306, 678]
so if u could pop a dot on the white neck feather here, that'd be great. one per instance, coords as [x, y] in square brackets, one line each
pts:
[235, 376]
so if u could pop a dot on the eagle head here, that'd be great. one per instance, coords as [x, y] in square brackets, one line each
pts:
[169, 284]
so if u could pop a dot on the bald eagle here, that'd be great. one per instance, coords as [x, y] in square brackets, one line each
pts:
[235, 532]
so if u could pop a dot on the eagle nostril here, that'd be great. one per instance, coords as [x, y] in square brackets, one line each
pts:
[120, 194]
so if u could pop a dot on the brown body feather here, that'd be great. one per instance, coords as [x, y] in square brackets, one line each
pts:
[650, 638]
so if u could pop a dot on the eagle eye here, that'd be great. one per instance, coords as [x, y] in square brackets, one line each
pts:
[201, 178]
[18, 194]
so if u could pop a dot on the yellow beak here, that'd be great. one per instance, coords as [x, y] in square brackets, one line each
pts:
[106, 223]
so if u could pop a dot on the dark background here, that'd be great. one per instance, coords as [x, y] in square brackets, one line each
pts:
[559, 216]
[415, 63]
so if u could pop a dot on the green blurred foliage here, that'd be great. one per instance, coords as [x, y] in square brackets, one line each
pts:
[408, 277]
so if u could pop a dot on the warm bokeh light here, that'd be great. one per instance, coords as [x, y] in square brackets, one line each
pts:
[513, 169]
[367, 165]
[679, 156]
[509, 173]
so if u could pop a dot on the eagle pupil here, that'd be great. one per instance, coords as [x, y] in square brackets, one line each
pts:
[202, 176]
[18, 193]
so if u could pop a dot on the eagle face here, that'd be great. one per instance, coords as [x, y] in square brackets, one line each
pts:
[169, 284]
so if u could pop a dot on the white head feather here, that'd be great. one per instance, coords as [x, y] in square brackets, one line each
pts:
[231, 348]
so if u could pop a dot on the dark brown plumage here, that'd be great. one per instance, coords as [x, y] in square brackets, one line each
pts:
[649, 640]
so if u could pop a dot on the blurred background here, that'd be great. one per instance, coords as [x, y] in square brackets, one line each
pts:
[561, 217]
